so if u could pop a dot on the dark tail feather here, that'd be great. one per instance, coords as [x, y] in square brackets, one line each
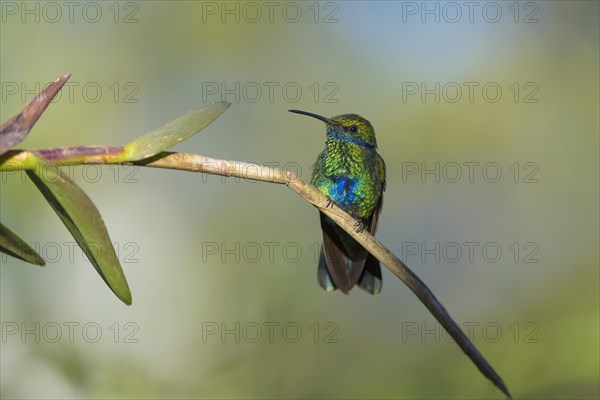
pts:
[323, 275]
[344, 257]
[371, 279]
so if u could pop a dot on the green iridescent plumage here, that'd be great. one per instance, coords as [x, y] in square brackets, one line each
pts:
[352, 174]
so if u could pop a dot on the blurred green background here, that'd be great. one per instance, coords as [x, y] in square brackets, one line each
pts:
[223, 272]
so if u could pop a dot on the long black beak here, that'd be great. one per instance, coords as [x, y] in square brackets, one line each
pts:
[317, 116]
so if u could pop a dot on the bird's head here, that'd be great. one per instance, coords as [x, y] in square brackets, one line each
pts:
[347, 127]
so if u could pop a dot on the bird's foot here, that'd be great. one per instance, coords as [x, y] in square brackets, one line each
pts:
[360, 226]
[329, 203]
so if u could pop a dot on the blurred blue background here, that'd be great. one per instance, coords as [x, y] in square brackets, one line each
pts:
[223, 271]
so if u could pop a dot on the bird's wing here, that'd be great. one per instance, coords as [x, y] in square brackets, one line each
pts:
[371, 279]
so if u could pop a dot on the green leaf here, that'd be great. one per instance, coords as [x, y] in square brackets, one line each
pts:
[13, 245]
[83, 220]
[172, 133]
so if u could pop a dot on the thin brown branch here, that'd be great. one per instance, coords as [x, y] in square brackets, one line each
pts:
[197, 163]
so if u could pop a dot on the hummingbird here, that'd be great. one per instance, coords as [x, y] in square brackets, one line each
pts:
[352, 174]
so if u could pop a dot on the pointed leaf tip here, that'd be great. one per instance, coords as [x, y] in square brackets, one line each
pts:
[82, 219]
[14, 246]
[173, 132]
[16, 129]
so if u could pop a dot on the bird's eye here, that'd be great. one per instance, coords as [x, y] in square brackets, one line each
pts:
[354, 129]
